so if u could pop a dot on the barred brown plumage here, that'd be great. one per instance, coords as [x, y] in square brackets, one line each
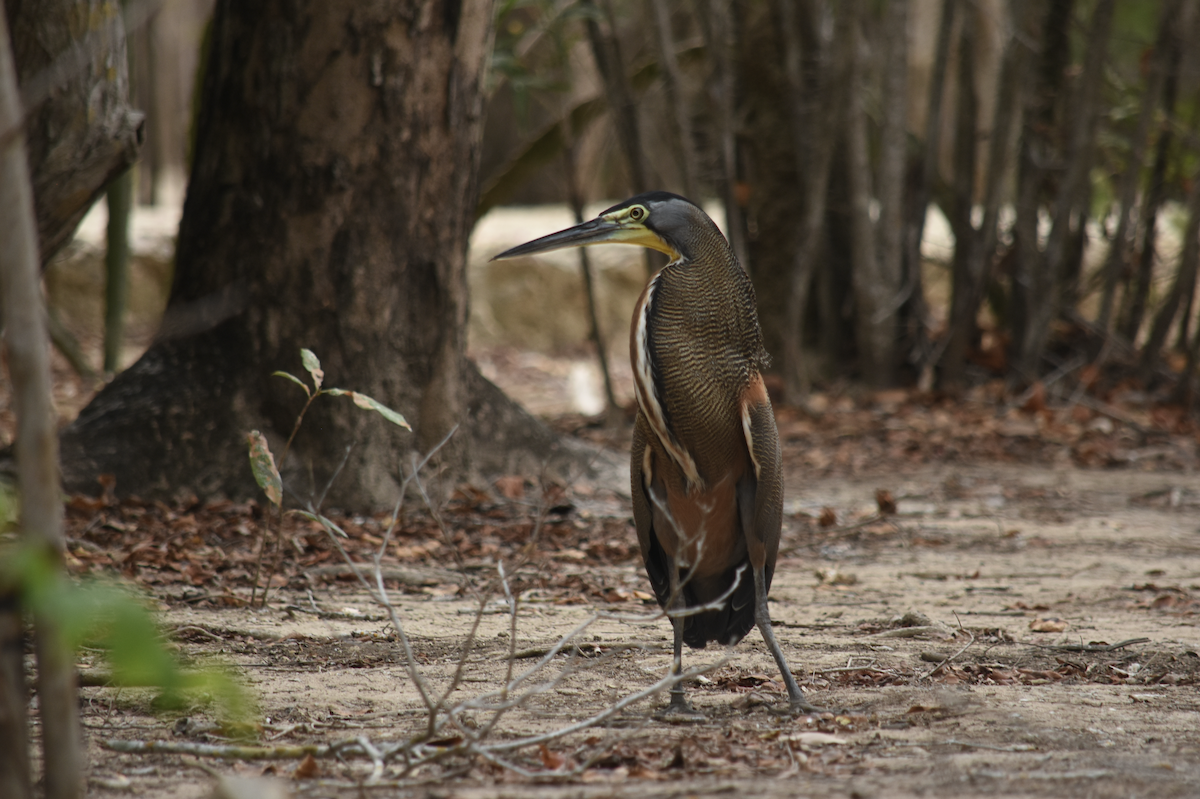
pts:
[706, 473]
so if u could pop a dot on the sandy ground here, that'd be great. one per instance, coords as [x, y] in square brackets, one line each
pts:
[984, 554]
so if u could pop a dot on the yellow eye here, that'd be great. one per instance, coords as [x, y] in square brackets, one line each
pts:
[637, 213]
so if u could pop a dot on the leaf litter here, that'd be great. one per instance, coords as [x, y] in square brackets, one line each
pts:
[986, 519]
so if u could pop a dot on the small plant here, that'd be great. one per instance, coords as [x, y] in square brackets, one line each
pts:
[267, 472]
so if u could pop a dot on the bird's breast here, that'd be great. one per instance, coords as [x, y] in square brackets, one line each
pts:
[693, 352]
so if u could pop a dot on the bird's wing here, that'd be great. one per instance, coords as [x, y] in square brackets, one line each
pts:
[760, 492]
[641, 466]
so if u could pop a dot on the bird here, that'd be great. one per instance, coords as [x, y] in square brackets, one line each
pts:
[705, 466]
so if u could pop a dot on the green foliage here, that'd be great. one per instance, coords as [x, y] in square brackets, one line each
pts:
[104, 615]
[262, 462]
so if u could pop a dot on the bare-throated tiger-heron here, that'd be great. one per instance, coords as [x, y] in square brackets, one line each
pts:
[707, 478]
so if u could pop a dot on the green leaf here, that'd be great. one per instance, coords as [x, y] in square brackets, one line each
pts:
[371, 404]
[262, 462]
[294, 379]
[313, 365]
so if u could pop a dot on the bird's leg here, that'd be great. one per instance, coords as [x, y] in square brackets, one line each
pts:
[796, 701]
[679, 705]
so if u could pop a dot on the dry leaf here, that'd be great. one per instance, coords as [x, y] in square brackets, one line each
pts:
[1050, 625]
[308, 769]
[551, 760]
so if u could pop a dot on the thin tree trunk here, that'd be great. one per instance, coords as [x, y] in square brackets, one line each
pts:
[575, 195]
[116, 270]
[680, 128]
[1127, 190]
[14, 713]
[818, 166]
[871, 297]
[1000, 147]
[1134, 307]
[1184, 285]
[718, 24]
[1033, 280]
[919, 198]
[607, 54]
[892, 160]
[962, 311]
[18, 254]
[1073, 193]
[36, 446]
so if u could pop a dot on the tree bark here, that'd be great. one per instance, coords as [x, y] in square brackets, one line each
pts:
[80, 131]
[329, 207]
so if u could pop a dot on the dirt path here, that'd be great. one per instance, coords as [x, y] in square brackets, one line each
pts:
[975, 556]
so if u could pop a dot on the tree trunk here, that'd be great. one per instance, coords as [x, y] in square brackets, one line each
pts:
[1166, 58]
[1033, 280]
[27, 351]
[892, 161]
[18, 253]
[871, 294]
[81, 133]
[718, 23]
[809, 237]
[983, 250]
[962, 326]
[329, 207]
[116, 269]
[1183, 287]
[1127, 191]
[673, 89]
[925, 174]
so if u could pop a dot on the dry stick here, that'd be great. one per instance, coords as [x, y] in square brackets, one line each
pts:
[949, 658]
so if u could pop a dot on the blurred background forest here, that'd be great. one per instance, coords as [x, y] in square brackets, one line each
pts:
[926, 194]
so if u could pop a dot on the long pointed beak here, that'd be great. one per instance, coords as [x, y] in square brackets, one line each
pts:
[597, 231]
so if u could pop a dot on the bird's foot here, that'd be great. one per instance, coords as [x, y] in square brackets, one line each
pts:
[679, 710]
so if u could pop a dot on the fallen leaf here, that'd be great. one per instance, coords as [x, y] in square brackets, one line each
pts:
[308, 769]
[828, 517]
[1050, 625]
[551, 760]
[885, 502]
